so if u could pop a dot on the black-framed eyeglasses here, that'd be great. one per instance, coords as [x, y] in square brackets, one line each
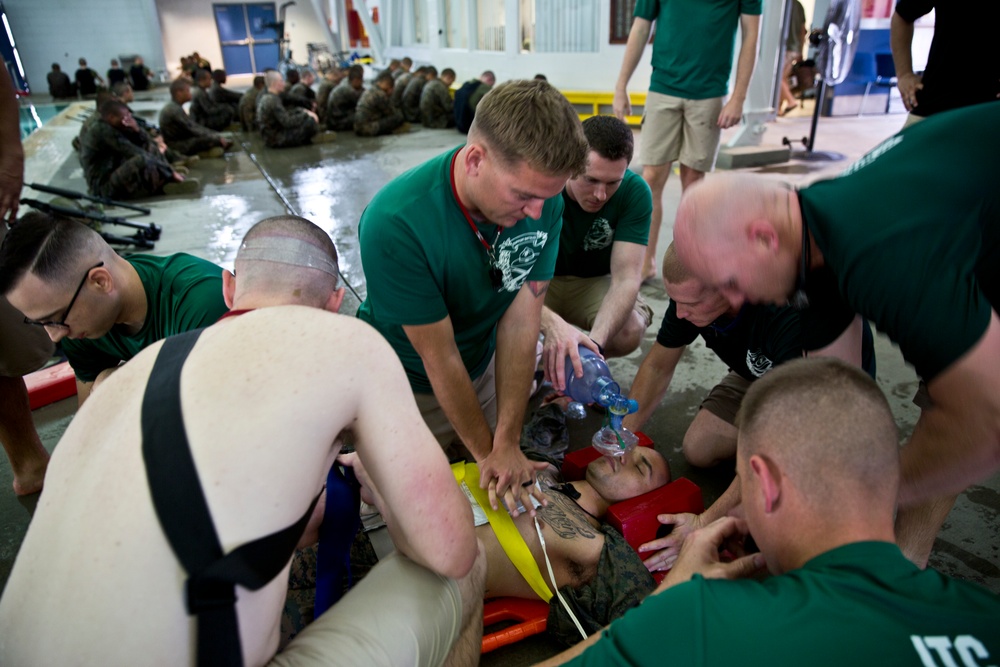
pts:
[62, 323]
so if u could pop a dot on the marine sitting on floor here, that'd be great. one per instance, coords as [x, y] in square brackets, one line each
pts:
[283, 127]
[120, 161]
[181, 132]
[375, 113]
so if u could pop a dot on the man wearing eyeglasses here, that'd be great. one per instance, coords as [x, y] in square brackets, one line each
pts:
[105, 309]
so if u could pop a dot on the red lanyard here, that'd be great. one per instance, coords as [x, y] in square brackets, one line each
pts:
[468, 218]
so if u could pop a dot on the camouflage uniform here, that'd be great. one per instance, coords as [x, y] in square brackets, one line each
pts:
[375, 114]
[121, 164]
[184, 135]
[340, 108]
[221, 95]
[322, 97]
[436, 105]
[411, 98]
[302, 90]
[400, 87]
[248, 109]
[281, 127]
[204, 111]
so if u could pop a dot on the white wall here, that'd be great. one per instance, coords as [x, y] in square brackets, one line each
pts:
[62, 31]
[568, 71]
[189, 25]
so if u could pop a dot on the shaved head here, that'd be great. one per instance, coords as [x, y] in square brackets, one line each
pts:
[733, 233]
[827, 426]
[289, 258]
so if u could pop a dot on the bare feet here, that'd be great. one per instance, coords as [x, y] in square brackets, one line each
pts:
[29, 475]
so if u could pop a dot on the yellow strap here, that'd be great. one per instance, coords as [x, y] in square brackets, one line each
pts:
[507, 533]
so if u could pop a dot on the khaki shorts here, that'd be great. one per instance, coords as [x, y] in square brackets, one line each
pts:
[437, 421]
[399, 614]
[577, 300]
[726, 397]
[675, 128]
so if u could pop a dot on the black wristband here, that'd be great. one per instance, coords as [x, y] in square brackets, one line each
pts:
[600, 348]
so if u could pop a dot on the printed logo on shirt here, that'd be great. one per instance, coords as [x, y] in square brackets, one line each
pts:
[873, 154]
[941, 651]
[516, 257]
[600, 235]
[757, 363]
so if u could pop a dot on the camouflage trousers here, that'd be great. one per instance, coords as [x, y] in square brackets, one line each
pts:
[438, 121]
[376, 127]
[139, 176]
[219, 119]
[340, 123]
[293, 136]
[194, 145]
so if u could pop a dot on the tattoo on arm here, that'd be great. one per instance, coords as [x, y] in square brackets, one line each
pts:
[538, 287]
[566, 518]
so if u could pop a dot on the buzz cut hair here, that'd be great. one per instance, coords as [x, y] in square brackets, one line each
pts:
[531, 122]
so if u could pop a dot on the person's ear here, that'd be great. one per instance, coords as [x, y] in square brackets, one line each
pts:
[762, 233]
[768, 481]
[102, 278]
[336, 298]
[228, 288]
[474, 158]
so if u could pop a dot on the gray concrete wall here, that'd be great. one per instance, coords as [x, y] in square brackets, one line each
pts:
[62, 31]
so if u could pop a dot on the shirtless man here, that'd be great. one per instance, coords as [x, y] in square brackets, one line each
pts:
[570, 522]
[570, 526]
[246, 387]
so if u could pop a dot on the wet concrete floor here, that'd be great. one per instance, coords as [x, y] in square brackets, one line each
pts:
[332, 183]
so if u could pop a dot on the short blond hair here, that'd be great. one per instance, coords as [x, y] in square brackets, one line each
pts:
[674, 271]
[532, 122]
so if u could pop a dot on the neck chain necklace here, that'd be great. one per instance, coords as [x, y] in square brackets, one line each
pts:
[496, 273]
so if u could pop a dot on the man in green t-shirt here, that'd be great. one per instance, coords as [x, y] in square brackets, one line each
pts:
[923, 266]
[684, 111]
[458, 253]
[599, 266]
[819, 501]
[104, 308]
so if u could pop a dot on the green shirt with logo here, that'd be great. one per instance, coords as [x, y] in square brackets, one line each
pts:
[858, 604]
[423, 263]
[693, 44]
[183, 293]
[586, 238]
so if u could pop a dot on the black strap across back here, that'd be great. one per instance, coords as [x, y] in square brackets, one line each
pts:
[187, 522]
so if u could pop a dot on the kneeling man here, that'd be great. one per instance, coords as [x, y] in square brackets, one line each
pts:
[601, 246]
[238, 425]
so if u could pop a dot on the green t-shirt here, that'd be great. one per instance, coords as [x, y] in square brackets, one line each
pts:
[693, 46]
[912, 233]
[423, 263]
[859, 604]
[761, 337]
[182, 293]
[586, 238]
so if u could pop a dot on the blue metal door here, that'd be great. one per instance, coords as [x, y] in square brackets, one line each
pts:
[261, 19]
[248, 44]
